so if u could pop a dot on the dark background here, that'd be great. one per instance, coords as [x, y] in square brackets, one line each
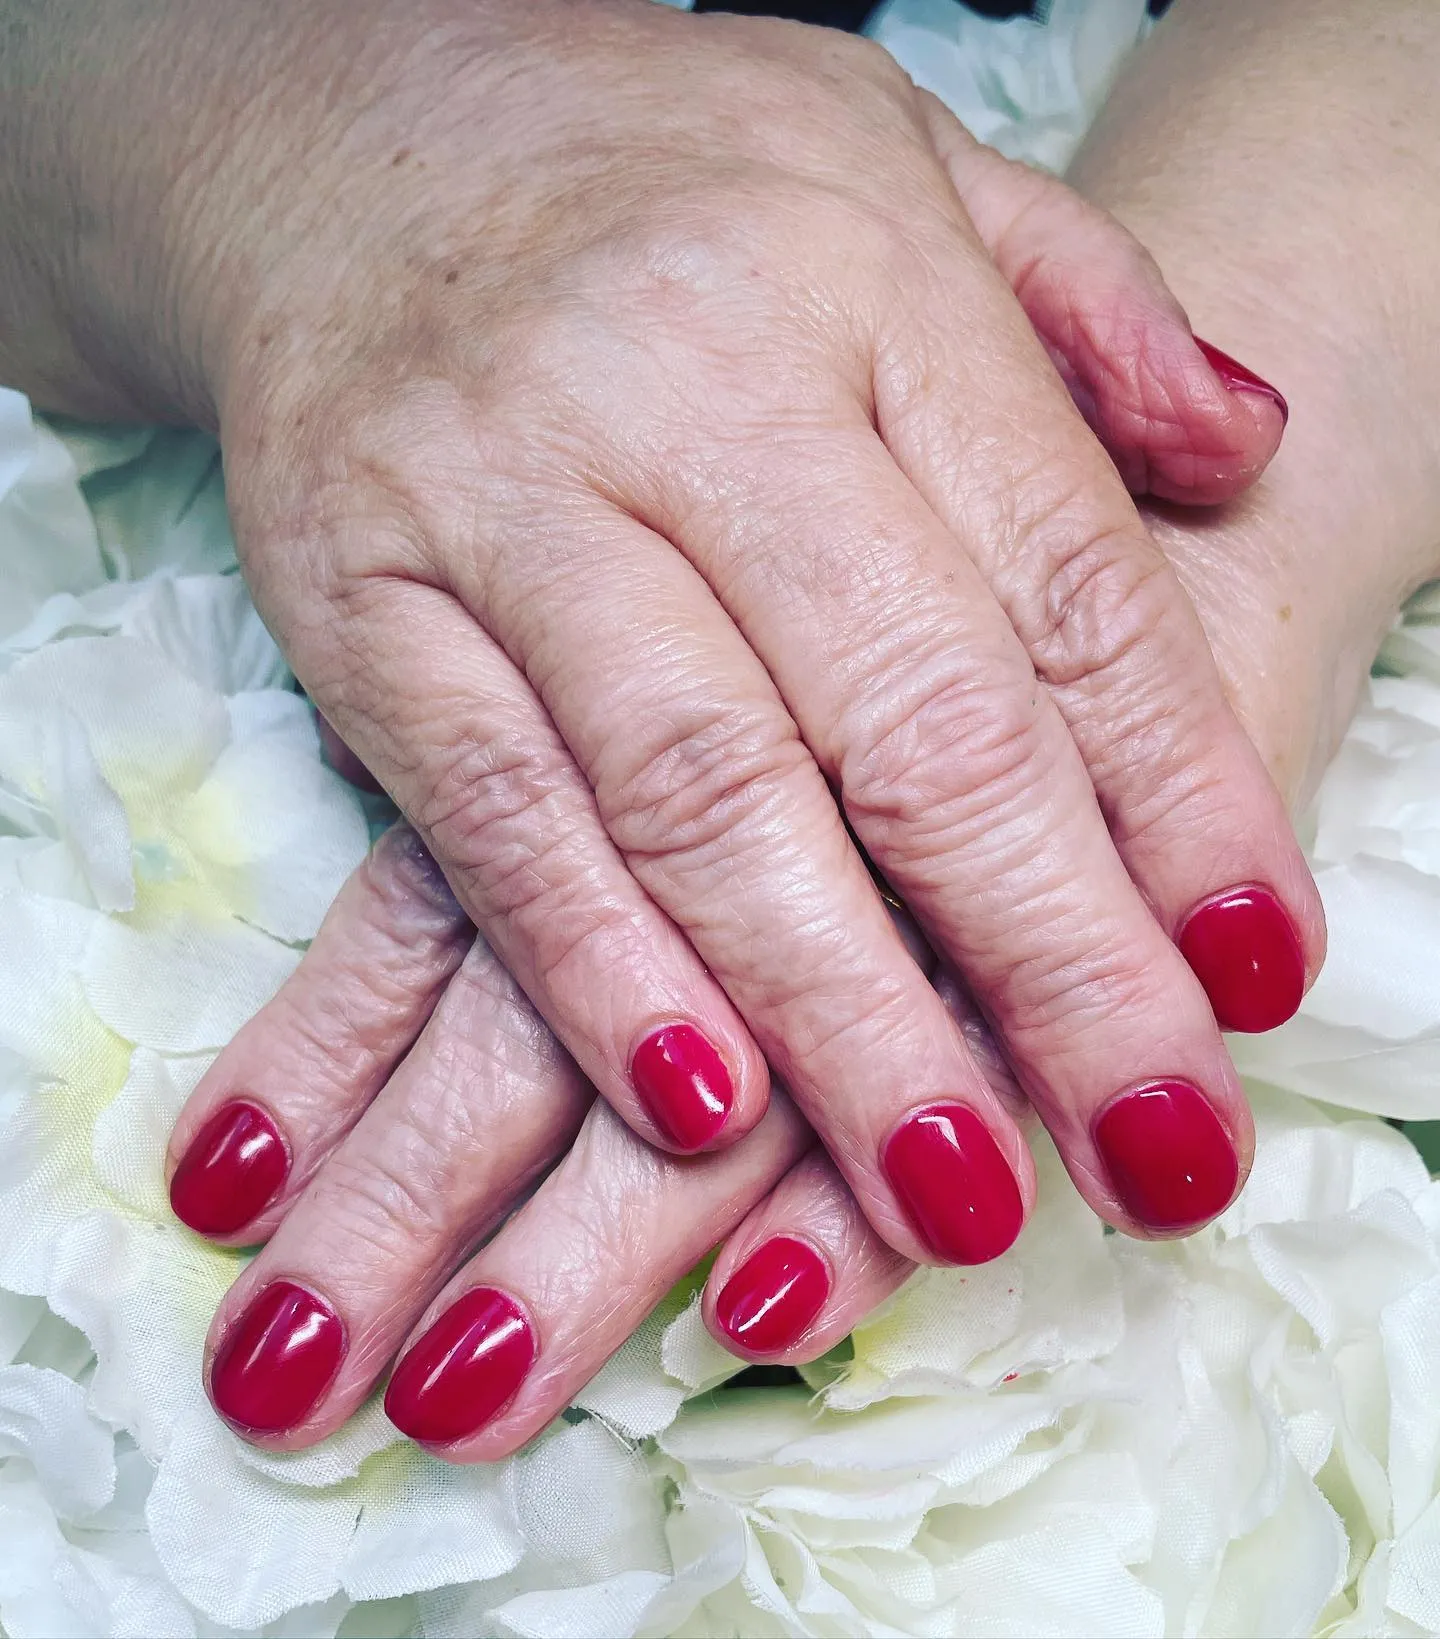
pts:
[850, 14]
[840, 13]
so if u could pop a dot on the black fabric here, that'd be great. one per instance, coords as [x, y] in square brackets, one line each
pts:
[830, 13]
[851, 14]
[838, 14]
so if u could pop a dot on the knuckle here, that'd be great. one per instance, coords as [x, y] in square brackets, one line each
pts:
[1101, 600]
[395, 1202]
[1056, 990]
[948, 751]
[576, 939]
[404, 889]
[489, 1042]
[703, 781]
[491, 802]
[330, 1042]
[1178, 805]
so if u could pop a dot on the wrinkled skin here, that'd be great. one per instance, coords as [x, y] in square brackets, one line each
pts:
[686, 473]
[1291, 610]
[620, 476]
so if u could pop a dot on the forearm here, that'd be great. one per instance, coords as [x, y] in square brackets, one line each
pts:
[149, 156]
[1283, 164]
[1299, 143]
[102, 148]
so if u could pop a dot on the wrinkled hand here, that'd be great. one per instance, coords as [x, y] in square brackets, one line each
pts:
[1294, 613]
[367, 1244]
[450, 1132]
[632, 463]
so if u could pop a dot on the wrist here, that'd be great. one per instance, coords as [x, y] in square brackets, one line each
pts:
[1299, 233]
[161, 166]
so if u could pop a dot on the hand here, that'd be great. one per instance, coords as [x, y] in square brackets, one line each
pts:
[400, 1025]
[1291, 608]
[619, 474]
[365, 1232]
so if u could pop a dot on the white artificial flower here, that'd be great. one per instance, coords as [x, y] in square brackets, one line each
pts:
[1234, 1434]
[1028, 86]
[48, 540]
[1377, 864]
[1175, 1444]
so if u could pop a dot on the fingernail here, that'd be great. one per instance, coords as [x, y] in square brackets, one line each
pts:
[235, 1166]
[277, 1360]
[1244, 949]
[955, 1184]
[683, 1083]
[464, 1370]
[1170, 1159]
[1240, 380]
[767, 1305]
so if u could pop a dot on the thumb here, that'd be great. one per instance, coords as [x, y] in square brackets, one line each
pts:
[1180, 419]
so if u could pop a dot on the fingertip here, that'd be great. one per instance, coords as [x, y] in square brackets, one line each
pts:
[962, 1195]
[768, 1305]
[1173, 1158]
[698, 1097]
[1245, 949]
[1176, 426]
[274, 1362]
[231, 1171]
[464, 1370]
[1216, 427]
[1239, 379]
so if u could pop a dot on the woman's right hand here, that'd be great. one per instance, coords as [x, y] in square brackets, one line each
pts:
[1292, 609]
[403, 1032]
[635, 441]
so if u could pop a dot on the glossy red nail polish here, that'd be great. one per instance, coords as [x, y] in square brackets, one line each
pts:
[1171, 1161]
[1244, 949]
[1240, 380]
[464, 1370]
[767, 1305]
[236, 1165]
[683, 1083]
[955, 1183]
[277, 1360]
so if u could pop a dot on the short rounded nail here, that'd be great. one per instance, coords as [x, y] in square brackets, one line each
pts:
[768, 1304]
[464, 1370]
[235, 1166]
[1169, 1158]
[277, 1360]
[954, 1183]
[1245, 951]
[683, 1083]
[1240, 380]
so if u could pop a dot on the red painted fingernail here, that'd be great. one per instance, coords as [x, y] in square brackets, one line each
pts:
[464, 1370]
[768, 1303]
[1244, 949]
[1171, 1161]
[235, 1166]
[1240, 380]
[952, 1179]
[683, 1083]
[277, 1360]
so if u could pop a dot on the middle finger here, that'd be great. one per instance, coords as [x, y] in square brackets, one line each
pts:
[912, 691]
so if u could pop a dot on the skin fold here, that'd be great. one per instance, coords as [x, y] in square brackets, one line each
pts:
[626, 482]
[1237, 195]
[1291, 609]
